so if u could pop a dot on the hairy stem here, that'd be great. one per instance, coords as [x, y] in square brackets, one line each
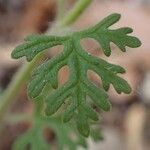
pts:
[23, 74]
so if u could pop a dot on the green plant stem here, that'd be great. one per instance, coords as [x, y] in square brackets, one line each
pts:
[18, 80]
[60, 9]
[23, 74]
[17, 118]
[74, 12]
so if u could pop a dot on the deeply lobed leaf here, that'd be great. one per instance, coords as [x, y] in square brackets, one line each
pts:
[120, 36]
[34, 138]
[79, 62]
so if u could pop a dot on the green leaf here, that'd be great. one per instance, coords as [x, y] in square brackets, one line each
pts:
[104, 36]
[79, 62]
[82, 123]
[35, 140]
[36, 44]
[96, 135]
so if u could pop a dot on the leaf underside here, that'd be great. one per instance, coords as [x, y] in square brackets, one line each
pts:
[78, 87]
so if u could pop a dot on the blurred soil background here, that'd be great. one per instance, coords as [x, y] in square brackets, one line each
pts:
[127, 125]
